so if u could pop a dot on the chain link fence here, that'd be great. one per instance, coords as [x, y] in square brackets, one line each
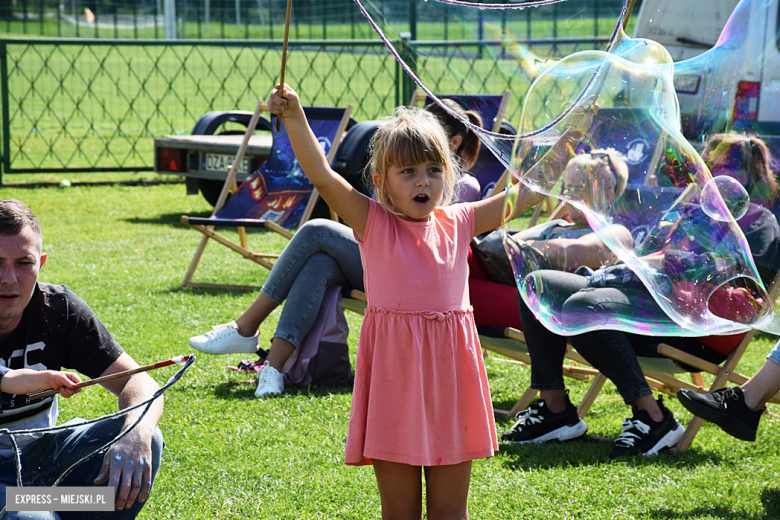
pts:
[264, 19]
[86, 105]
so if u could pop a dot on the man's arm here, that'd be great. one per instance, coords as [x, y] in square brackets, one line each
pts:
[128, 464]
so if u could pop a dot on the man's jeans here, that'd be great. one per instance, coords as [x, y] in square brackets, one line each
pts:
[45, 459]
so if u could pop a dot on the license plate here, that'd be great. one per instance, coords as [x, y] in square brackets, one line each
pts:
[213, 162]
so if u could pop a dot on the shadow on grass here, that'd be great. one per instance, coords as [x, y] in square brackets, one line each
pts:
[167, 219]
[592, 450]
[212, 291]
[770, 499]
[239, 390]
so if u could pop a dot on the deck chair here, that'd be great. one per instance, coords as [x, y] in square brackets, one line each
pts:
[664, 373]
[510, 342]
[278, 196]
[489, 171]
[666, 368]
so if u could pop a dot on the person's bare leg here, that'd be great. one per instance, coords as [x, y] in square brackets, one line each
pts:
[762, 386]
[555, 400]
[400, 490]
[281, 349]
[447, 491]
[650, 405]
[250, 320]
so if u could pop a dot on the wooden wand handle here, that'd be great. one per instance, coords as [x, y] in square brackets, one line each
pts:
[284, 58]
[119, 375]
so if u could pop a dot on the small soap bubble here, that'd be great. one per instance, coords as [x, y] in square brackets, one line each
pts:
[723, 198]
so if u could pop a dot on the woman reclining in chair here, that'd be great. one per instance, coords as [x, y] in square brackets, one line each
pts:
[652, 426]
[320, 255]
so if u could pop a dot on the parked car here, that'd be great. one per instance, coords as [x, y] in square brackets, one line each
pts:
[727, 63]
[203, 156]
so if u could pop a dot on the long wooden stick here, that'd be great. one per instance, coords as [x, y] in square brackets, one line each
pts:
[284, 58]
[178, 360]
[628, 14]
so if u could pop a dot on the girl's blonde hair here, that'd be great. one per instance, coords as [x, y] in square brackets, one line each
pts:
[411, 136]
[749, 154]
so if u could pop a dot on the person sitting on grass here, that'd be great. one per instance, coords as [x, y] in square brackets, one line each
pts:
[320, 255]
[44, 327]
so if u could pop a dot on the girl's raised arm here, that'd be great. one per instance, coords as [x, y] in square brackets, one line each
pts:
[488, 213]
[350, 204]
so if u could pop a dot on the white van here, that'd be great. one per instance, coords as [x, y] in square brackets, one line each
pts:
[727, 62]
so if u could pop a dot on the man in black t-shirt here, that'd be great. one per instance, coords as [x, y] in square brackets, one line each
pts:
[48, 327]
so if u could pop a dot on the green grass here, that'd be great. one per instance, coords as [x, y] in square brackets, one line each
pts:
[231, 456]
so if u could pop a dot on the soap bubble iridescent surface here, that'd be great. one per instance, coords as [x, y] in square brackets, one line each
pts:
[598, 127]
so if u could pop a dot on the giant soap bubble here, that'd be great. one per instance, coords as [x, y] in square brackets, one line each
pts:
[600, 129]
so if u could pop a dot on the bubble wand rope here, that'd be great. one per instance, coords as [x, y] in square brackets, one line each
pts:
[147, 404]
[178, 360]
[519, 6]
[583, 95]
[284, 58]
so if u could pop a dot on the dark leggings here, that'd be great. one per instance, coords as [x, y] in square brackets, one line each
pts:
[611, 352]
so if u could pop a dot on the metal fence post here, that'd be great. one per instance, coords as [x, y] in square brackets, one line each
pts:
[412, 20]
[5, 150]
[410, 58]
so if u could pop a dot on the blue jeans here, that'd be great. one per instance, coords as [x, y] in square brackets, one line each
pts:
[321, 254]
[774, 354]
[612, 352]
[44, 460]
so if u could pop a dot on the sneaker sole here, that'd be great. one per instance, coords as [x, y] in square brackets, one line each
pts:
[667, 441]
[724, 421]
[233, 350]
[564, 433]
[266, 394]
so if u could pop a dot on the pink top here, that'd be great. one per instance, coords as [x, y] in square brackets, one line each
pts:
[421, 394]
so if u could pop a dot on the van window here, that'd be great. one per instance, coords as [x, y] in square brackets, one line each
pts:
[777, 29]
[669, 22]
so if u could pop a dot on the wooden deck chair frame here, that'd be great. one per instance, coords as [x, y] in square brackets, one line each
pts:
[660, 373]
[242, 248]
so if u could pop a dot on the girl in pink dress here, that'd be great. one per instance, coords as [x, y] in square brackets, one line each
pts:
[421, 400]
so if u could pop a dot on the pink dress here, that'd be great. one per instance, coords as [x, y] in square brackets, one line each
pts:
[421, 393]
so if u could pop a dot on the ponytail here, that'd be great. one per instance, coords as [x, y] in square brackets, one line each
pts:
[468, 150]
[469, 147]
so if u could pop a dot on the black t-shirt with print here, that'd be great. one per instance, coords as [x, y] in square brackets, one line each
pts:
[58, 330]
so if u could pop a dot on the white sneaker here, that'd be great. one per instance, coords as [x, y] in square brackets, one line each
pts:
[225, 339]
[269, 381]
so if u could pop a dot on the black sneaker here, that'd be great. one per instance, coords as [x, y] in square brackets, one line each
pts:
[726, 408]
[643, 435]
[538, 424]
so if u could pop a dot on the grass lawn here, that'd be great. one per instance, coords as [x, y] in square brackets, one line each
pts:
[229, 455]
